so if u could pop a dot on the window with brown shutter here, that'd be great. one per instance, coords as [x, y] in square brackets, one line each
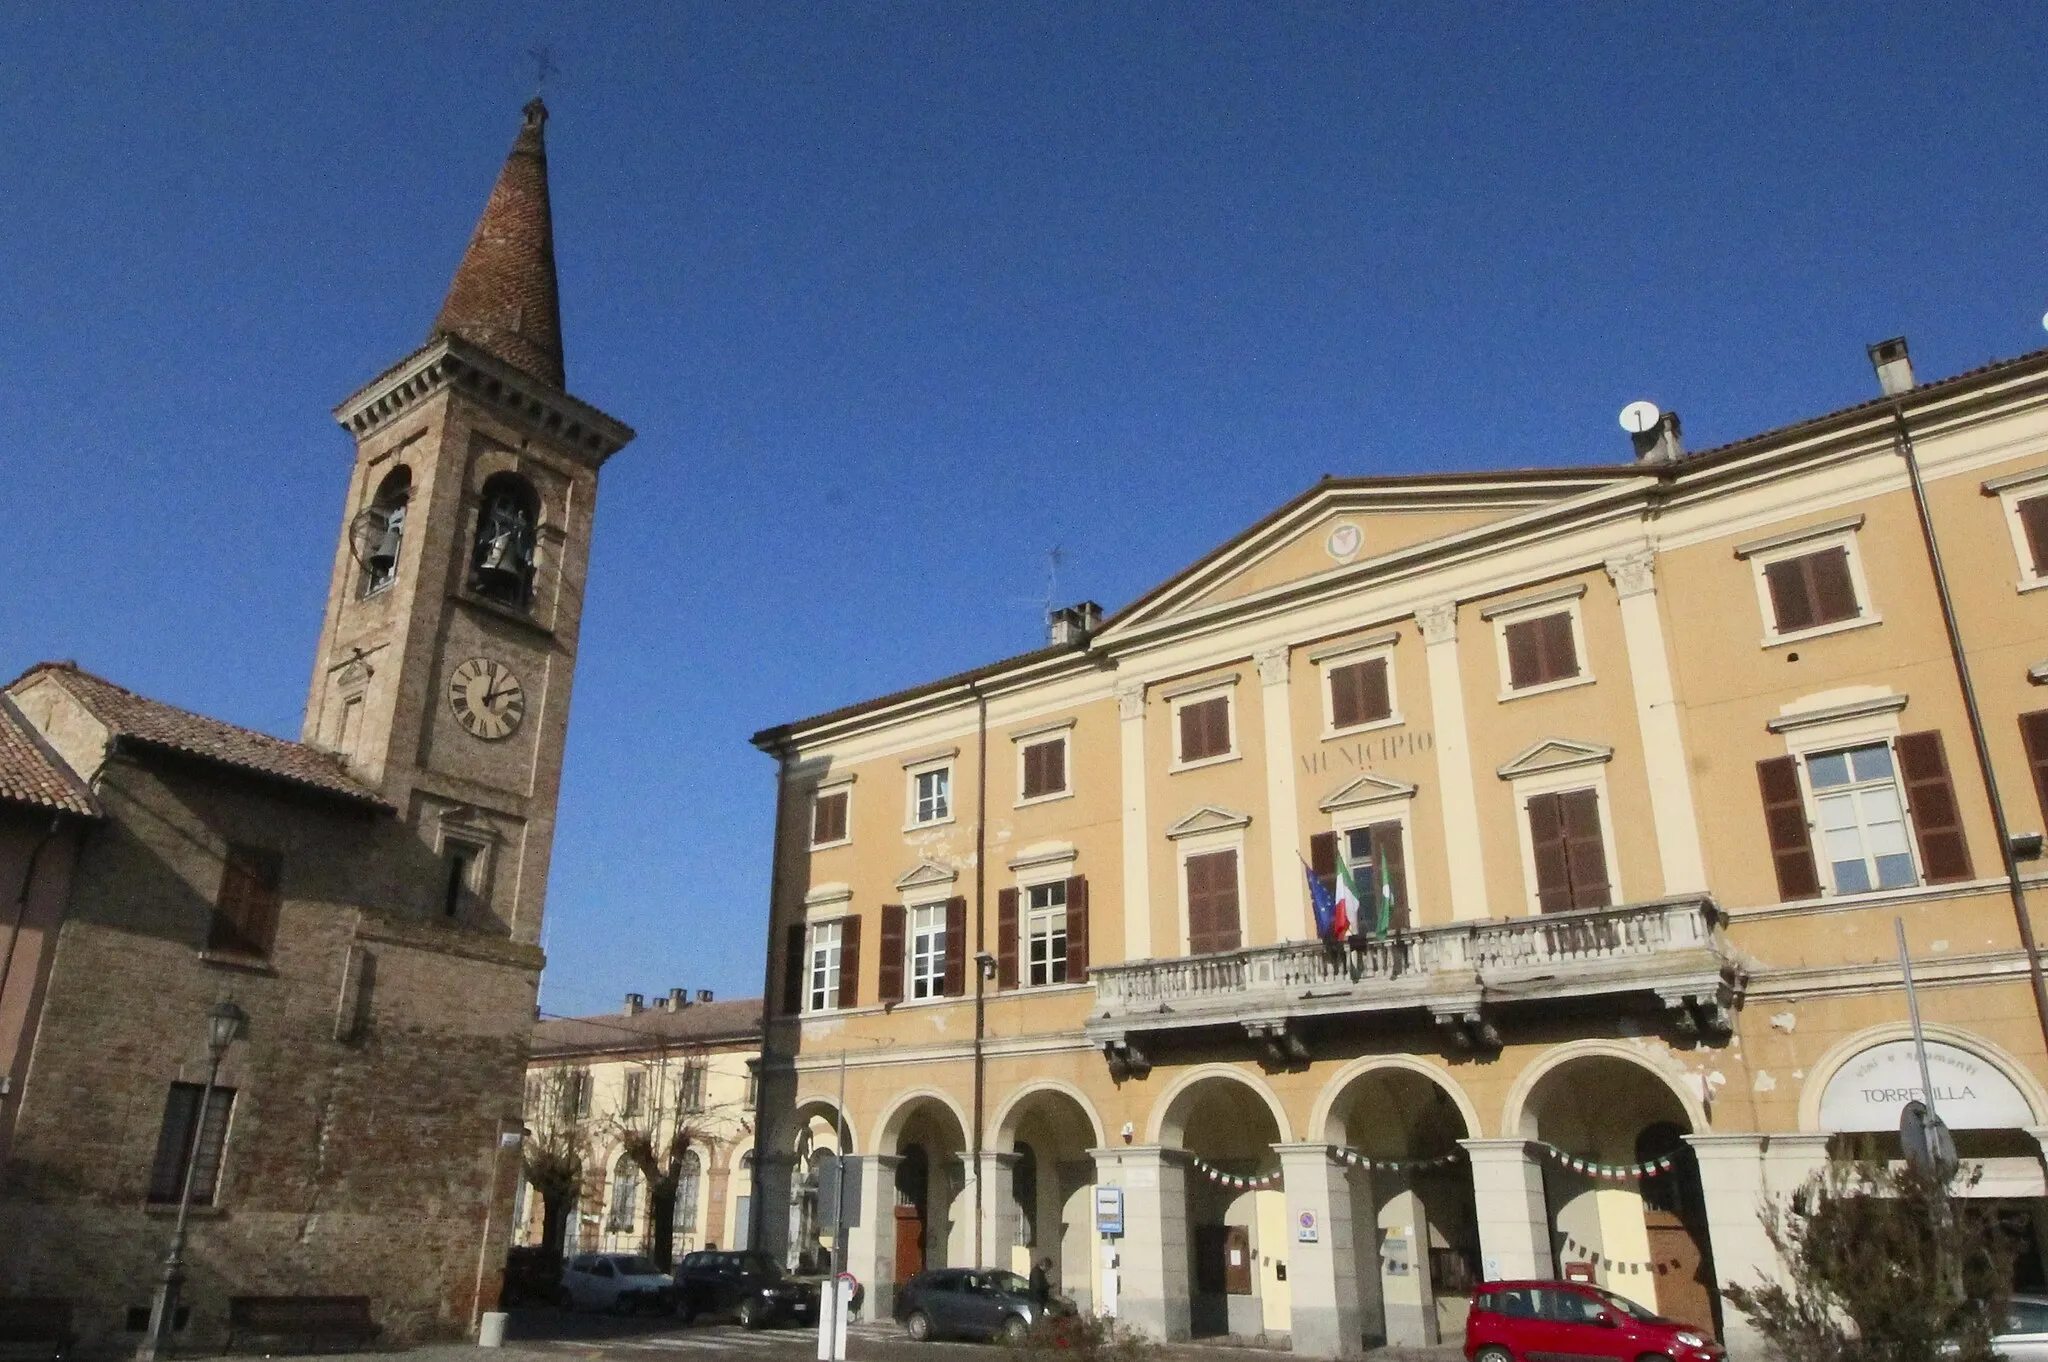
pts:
[1322, 860]
[1570, 854]
[849, 962]
[185, 1142]
[1045, 768]
[828, 818]
[1359, 693]
[1541, 650]
[1785, 825]
[1205, 729]
[956, 947]
[795, 965]
[1387, 852]
[1811, 590]
[2033, 514]
[2034, 734]
[1077, 929]
[1212, 903]
[895, 941]
[245, 914]
[1006, 938]
[1931, 803]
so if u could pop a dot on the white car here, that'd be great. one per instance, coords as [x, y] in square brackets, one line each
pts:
[2025, 1338]
[616, 1281]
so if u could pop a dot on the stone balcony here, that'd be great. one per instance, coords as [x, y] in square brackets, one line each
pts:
[1464, 976]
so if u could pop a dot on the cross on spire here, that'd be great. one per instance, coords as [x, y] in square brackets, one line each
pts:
[542, 69]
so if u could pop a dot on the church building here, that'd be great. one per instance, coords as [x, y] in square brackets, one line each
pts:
[368, 898]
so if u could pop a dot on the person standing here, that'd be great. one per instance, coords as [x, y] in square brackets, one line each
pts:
[1041, 1282]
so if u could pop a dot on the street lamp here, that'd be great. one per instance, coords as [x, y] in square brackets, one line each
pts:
[223, 1023]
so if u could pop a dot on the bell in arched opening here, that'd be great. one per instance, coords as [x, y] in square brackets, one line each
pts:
[501, 565]
[379, 532]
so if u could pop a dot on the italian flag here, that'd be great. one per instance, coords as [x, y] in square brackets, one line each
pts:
[1350, 903]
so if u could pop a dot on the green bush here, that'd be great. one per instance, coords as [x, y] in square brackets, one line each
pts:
[1085, 1338]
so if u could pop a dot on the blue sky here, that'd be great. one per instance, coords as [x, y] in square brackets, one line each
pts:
[902, 296]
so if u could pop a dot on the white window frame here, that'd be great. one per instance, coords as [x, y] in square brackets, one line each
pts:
[911, 772]
[1177, 700]
[1327, 660]
[1201, 844]
[812, 946]
[1587, 775]
[842, 785]
[1761, 553]
[1562, 601]
[1392, 809]
[910, 913]
[1060, 732]
[2011, 491]
[1860, 721]
[1035, 871]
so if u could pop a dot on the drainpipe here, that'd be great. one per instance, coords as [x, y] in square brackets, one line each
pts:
[782, 753]
[980, 948]
[1902, 438]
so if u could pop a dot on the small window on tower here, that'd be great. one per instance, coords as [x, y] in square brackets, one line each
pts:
[379, 532]
[501, 564]
[463, 883]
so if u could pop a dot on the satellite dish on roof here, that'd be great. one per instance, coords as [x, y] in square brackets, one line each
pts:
[1638, 417]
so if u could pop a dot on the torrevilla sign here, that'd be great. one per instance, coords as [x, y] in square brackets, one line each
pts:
[1970, 1093]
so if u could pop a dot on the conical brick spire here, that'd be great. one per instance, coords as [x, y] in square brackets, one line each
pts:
[504, 300]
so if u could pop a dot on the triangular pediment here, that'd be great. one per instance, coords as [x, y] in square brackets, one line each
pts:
[1555, 754]
[1208, 818]
[927, 874]
[1366, 789]
[1347, 530]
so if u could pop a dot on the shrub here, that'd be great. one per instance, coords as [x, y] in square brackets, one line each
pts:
[1085, 1338]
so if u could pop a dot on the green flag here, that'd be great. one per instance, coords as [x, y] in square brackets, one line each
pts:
[1385, 895]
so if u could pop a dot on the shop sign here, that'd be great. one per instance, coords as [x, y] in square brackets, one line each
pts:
[1868, 1093]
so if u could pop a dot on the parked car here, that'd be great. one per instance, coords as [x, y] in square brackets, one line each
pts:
[533, 1275]
[1517, 1321]
[751, 1287]
[616, 1281]
[2025, 1338]
[970, 1303]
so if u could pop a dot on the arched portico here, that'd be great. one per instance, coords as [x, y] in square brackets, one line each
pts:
[1227, 1124]
[916, 1193]
[1040, 1182]
[816, 1135]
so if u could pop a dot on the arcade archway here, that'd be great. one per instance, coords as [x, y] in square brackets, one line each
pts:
[1227, 1126]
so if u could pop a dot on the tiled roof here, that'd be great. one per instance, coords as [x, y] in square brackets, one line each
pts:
[696, 1024]
[30, 773]
[504, 298]
[138, 719]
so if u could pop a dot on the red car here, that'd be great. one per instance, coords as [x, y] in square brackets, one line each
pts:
[1573, 1322]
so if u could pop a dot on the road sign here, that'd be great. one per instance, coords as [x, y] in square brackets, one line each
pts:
[1109, 1210]
[1305, 1229]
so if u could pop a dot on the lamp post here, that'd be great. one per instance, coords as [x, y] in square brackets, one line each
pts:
[222, 1024]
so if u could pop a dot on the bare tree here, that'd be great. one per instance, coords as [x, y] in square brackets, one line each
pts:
[659, 1120]
[556, 1147]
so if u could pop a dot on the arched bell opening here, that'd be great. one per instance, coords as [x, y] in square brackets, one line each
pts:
[1622, 1186]
[1414, 1225]
[1236, 1208]
[378, 534]
[501, 563]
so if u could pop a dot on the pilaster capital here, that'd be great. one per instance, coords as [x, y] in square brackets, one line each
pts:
[1272, 665]
[1634, 574]
[1438, 622]
[1130, 701]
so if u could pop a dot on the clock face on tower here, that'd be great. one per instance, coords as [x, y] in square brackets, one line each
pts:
[487, 699]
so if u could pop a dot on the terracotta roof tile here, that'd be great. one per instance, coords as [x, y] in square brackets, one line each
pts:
[697, 1024]
[30, 773]
[139, 719]
[504, 298]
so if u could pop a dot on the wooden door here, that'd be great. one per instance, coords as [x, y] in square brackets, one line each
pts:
[1210, 1256]
[1685, 1289]
[909, 1243]
[1237, 1260]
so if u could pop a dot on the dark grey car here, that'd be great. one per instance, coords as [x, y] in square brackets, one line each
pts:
[964, 1302]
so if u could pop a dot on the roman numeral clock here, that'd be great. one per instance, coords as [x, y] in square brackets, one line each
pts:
[487, 699]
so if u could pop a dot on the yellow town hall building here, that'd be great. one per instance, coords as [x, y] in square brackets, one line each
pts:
[1650, 756]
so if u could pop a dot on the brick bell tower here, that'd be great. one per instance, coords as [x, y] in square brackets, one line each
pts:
[449, 643]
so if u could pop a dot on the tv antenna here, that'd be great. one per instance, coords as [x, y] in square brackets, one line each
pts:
[1054, 556]
[1638, 417]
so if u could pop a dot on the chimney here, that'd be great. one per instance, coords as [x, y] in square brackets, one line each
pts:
[1894, 366]
[634, 1002]
[703, 995]
[1660, 443]
[678, 999]
[1071, 624]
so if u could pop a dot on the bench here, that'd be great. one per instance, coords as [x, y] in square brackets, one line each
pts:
[35, 1326]
[312, 1320]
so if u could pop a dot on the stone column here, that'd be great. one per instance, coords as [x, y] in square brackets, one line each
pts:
[1439, 625]
[1737, 1172]
[871, 1244]
[1514, 1218]
[770, 1208]
[1670, 776]
[1153, 1271]
[999, 1227]
[1407, 1295]
[1292, 919]
[1130, 708]
[1322, 1275]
